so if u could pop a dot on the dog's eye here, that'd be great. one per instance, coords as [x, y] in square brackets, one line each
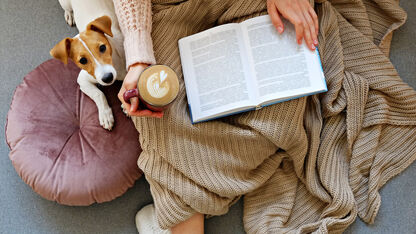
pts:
[102, 48]
[83, 61]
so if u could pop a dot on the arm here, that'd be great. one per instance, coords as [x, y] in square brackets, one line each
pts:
[135, 20]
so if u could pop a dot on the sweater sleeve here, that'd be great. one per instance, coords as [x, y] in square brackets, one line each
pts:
[135, 20]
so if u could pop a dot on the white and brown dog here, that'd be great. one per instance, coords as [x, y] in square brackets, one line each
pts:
[97, 50]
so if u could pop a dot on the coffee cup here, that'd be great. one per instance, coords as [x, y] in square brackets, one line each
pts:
[157, 88]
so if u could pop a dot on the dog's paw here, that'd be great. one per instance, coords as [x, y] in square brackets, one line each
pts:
[69, 18]
[106, 118]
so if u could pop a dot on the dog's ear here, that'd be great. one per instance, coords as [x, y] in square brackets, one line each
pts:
[61, 50]
[102, 24]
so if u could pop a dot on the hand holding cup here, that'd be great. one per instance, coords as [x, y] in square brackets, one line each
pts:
[130, 82]
[157, 88]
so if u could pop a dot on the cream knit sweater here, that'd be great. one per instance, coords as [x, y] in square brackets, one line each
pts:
[135, 19]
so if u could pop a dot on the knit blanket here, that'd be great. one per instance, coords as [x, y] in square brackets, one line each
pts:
[306, 165]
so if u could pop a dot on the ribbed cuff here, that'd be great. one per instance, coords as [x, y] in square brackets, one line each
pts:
[138, 47]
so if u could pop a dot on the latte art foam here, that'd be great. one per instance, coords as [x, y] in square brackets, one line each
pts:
[156, 85]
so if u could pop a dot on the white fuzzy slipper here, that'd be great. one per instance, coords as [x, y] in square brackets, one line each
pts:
[146, 222]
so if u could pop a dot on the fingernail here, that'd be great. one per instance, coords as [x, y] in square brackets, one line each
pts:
[312, 46]
[315, 42]
[300, 41]
[280, 29]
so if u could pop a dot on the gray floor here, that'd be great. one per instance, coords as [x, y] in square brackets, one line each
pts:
[30, 28]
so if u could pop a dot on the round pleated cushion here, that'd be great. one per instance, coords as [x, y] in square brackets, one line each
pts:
[57, 144]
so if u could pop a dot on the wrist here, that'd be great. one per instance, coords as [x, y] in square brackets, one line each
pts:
[138, 67]
[133, 75]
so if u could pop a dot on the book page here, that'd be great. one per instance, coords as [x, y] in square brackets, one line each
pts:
[215, 71]
[282, 68]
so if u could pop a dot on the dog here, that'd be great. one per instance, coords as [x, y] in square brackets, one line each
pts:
[97, 50]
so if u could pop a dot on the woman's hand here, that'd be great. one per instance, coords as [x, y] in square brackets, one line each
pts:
[299, 13]
[130, 82]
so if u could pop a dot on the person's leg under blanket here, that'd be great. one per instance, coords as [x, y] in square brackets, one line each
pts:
[368, 136]
[300, 165]
[235, 158]
[185, 19]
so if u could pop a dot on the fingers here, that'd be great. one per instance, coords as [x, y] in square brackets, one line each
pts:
[302, 24]
[293, 13]
[146, 113]
[125, 105]
[131, 109]
[297, 22]
[158, 114]
[309, 26]
[141, 113]
[300, 14]
[120, 94]
[134, 104]
[274, 15]
[314, 17]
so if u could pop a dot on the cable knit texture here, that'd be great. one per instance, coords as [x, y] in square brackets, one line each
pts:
[306, 165]
[135, 19]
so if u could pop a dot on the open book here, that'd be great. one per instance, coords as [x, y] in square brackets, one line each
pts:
[235, 67]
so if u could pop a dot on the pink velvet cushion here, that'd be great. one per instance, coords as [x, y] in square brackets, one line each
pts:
[57, 145]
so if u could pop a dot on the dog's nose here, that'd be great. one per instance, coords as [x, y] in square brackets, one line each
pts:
[108, 77]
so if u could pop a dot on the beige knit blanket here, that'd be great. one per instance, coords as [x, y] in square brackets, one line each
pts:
[311, 164]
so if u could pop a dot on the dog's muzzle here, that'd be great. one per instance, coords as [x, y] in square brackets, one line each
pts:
[105, 74]
[108, 78]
